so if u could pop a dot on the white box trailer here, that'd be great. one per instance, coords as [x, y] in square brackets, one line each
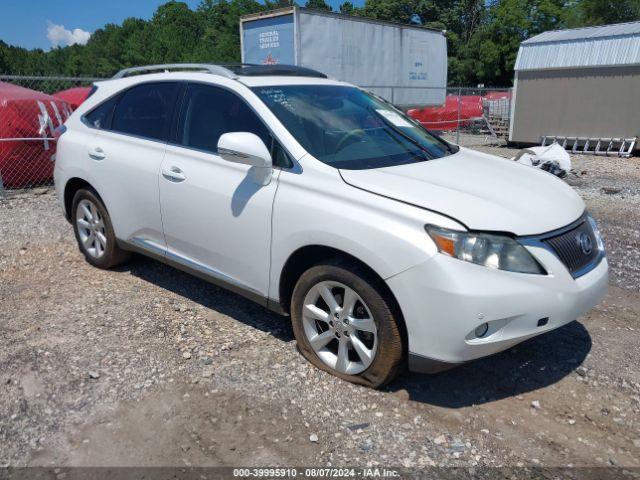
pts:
[405, 64]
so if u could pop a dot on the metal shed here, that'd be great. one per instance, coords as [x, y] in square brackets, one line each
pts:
[580, 84]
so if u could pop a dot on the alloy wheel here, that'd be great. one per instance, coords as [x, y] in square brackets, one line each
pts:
[91, 228]
[340, 327]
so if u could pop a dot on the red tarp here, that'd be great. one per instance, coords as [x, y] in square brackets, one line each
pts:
[445, 117]
[73, 96]
[28, 114]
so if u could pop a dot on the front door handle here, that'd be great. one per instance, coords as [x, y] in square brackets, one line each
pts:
[97, 153]
[173, 174]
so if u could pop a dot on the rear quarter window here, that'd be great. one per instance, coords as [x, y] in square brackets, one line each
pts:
[100, 116]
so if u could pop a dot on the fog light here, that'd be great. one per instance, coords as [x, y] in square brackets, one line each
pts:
[482, 330]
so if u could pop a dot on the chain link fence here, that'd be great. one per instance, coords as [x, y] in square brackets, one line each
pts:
[31, 108]
[469, 116]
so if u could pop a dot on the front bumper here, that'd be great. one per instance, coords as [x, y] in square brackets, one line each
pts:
[444, 300]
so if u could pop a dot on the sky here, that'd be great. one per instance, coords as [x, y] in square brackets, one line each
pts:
[47, 23]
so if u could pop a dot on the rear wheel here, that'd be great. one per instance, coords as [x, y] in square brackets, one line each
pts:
[94, 231]
[343, 324]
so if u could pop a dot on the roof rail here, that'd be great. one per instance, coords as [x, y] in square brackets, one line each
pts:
[207, 67]
[229, 71]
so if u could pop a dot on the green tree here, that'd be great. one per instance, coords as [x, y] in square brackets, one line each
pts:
[390, 10]
[601, 12]
[318, 5]
[275, 4]
[492, 49]
[349, 9]
[220, 41]
[4, 57]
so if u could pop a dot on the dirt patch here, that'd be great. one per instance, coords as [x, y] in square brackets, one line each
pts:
[199, 427]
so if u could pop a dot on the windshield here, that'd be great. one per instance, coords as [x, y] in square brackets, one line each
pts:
[347, 128]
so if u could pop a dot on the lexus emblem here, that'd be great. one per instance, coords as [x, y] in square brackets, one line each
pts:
[585, 243]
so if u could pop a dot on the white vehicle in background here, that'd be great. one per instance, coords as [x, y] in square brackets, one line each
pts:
[385, 244]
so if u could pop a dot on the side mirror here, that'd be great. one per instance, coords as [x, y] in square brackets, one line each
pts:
[246, 148]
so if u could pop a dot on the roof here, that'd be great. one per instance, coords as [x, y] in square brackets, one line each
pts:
[109, 86]
[263, 81]
[584, 33]
[250, 70]
[607, 45]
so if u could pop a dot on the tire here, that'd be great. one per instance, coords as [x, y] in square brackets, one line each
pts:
[91, 224]
[370, 304]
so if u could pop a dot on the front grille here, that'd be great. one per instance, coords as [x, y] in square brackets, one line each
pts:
[572, 248]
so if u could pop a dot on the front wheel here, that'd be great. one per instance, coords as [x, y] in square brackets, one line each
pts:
[344, 324]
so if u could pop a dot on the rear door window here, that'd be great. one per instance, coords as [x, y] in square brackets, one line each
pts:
[145, 110]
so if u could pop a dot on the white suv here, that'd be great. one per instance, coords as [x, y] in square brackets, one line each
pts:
[385, 244]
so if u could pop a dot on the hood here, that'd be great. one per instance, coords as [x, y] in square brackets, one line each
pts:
[482, 191]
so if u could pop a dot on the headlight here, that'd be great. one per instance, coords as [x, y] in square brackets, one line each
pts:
[493, 251]
[596, 233]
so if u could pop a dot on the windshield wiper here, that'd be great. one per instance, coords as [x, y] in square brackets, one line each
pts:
[450, 147]
[428, 155]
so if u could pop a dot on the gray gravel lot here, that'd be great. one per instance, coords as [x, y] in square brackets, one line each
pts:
[145, 365]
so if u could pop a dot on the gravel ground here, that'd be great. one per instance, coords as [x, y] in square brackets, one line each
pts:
[145, 365]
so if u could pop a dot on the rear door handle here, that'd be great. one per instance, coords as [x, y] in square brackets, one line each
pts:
[173, 174]
[97, 153]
